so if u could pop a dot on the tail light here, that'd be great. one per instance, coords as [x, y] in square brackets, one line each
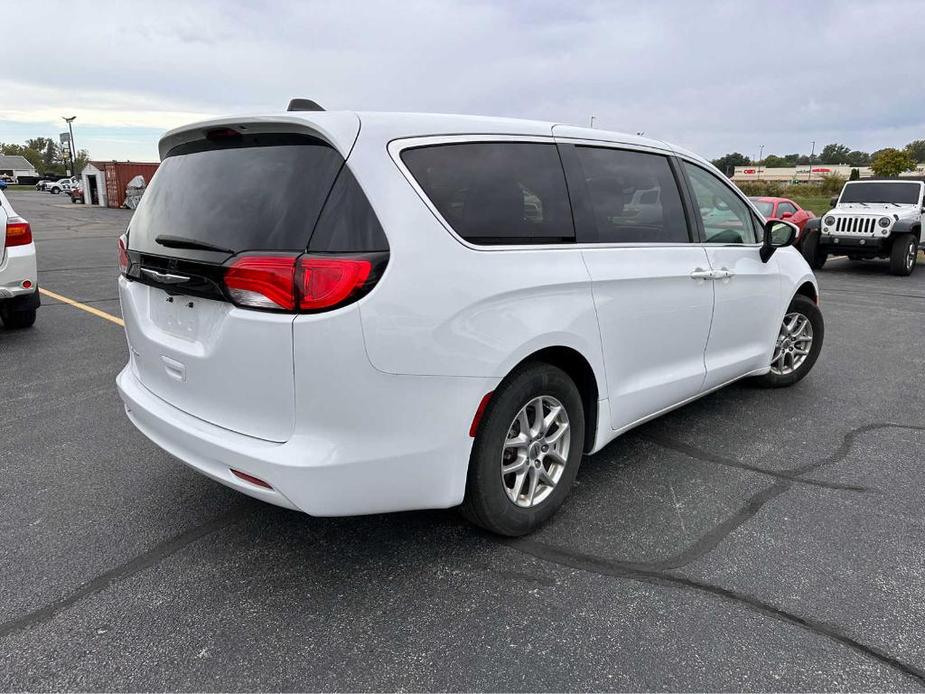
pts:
[328, 282]
[262, 281]
[18, 232]
[300, 283]
[123, 255]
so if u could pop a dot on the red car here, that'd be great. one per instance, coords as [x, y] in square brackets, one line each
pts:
[784, 208]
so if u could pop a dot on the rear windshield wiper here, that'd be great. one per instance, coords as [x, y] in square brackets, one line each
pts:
[191, 244]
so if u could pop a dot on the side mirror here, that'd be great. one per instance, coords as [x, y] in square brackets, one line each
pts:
[786, 215]
[777, 234]
[833, 201]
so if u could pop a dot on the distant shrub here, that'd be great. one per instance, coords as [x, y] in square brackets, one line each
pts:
[831, 184]
[771, 189]
[855, 175]
[802, 190]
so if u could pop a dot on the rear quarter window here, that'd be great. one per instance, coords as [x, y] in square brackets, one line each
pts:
[496, 193]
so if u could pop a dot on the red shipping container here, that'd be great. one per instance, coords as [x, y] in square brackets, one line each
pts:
[119, 173]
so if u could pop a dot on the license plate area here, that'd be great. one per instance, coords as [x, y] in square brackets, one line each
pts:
[177, 316]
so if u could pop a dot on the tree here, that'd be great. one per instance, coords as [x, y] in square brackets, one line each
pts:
[46, 156]
[834, 154]
[891, 162]
[792, 159]
[858, 158]
[728, 162]
[916, 149]
[772, 161]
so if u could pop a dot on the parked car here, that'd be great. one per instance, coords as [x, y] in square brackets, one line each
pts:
[77, 194]
[62, 185]
[784, 208]
[871, 219]
[46, 180]
[19, 295]
[454, 315]
[3, 184]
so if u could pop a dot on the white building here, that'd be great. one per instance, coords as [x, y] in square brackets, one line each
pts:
[15, 165]
[802, 174]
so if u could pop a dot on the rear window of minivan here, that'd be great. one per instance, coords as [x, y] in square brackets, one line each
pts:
[495, 193]
[246, 193]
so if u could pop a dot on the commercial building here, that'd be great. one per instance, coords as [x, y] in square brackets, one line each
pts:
[802, 174]
[19, 168]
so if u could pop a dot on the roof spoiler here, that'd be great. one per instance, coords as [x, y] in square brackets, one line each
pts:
[303, 105]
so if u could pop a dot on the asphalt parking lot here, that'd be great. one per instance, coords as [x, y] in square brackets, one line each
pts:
[758, 540]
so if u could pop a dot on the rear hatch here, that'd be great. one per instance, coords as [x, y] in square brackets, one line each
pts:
[231, 192]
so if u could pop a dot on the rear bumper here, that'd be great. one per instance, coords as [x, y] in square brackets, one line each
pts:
[421, 464]
[17, 265]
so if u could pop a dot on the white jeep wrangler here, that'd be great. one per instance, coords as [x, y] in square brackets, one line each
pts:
[870, 219]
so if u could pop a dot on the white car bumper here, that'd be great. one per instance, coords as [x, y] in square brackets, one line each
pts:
[421, 463]
[18, 274]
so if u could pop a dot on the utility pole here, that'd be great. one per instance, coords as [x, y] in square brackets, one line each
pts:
[809, 178]
[760, 154]
[71, 146]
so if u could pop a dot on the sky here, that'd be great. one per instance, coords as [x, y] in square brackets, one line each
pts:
[714, 77]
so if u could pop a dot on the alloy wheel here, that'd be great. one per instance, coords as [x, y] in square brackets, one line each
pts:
[794, 344]
[535, 451]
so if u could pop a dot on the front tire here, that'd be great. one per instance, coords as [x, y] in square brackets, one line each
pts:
[526, 452]
[814, 255]
[798, 344]
[903, 254]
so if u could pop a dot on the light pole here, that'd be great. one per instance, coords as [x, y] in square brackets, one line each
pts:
[760, 154]
[592, 121]
[810, 176]
[71, 147]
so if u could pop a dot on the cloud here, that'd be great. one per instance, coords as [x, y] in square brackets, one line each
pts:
[712, 76]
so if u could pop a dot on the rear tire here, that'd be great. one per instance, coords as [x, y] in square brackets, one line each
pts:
[550, 455]
[15, 320]
[811, 251]
[903, 254]
[785, 371]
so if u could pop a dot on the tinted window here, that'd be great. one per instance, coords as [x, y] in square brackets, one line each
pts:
[247, 193]
[764, 207]
[347, 223]
[785, 207]
[496, 192]
[881, 192]
[726, 217]
[634, 197]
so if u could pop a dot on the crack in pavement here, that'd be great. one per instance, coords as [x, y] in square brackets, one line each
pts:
[657, 571]
[708, 457]
[130, 568]
[616, 569]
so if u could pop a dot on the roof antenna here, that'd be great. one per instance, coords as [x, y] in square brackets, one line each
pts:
[303, 105]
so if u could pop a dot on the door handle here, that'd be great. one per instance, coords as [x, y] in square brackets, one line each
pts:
[721, 274]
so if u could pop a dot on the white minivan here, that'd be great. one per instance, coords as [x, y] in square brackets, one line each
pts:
[350, 313]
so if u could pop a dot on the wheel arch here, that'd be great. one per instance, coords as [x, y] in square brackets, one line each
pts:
[808, 289]
[579, 369]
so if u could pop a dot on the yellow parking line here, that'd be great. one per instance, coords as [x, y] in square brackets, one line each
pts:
[83, 307]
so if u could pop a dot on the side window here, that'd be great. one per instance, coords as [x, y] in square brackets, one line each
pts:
[785, 207]
[726, 219]
[633, 195]
[347, 224]
[496, 193]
